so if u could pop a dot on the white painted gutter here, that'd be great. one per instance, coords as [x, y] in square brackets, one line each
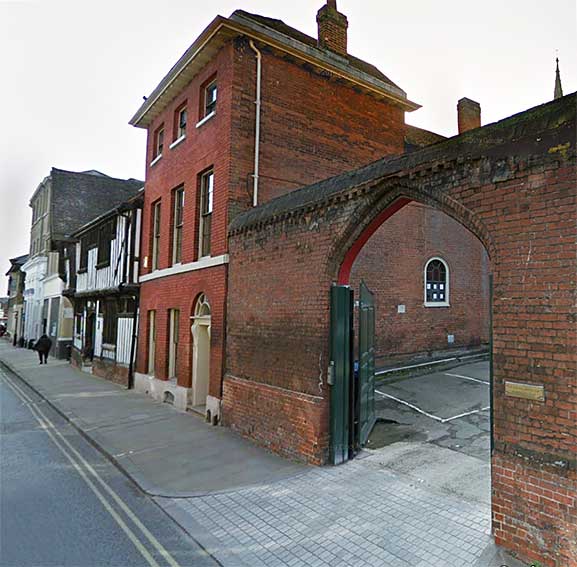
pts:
[257, 123]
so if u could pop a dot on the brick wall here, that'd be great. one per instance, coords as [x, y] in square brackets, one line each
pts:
[203, 147]
[181, 292]
[102, 368]
[535, 512]
[111, 371]
[312, 126]
[392, 265]
[284, 421]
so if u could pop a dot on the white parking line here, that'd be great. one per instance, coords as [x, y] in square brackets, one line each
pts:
[436, 418]
[466, 414]
[468, 378]
[430, 415]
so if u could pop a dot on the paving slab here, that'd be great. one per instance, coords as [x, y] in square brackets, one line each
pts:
[166, 452]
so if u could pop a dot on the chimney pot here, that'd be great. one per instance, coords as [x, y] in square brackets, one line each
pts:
[468, 114]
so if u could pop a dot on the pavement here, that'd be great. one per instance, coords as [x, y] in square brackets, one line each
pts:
[248, 507]
[167, 453]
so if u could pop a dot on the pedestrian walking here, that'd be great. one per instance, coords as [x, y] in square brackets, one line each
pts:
[42, 347]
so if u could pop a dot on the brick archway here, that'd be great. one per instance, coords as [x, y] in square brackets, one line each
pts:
[386, 200]
[512, 184]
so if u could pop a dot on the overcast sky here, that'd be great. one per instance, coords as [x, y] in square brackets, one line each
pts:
[72, 73]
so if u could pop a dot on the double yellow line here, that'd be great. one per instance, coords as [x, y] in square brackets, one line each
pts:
[99, 487]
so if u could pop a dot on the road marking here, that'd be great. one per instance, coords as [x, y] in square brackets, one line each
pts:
[379, 372]
[431, 363]
[466, 414]
[418, 409]
[468, 378]
[59, 440]
[430, 415]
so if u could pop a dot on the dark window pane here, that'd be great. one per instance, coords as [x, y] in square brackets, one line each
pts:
[210, 96]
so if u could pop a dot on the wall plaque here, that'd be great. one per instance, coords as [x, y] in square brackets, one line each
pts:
[525, 391]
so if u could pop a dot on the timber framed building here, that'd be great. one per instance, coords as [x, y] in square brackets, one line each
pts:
[101, 275]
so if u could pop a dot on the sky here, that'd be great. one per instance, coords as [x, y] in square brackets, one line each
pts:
[72, 73]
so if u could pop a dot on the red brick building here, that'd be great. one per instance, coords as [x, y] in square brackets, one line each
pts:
[252, 110]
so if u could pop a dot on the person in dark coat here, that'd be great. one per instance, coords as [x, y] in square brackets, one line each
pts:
[42, 347]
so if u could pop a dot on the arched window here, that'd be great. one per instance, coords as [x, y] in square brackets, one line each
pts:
[436, 283]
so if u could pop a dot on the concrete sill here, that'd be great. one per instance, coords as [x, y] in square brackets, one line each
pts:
[156, 160]
[206, 119]
[177, 142]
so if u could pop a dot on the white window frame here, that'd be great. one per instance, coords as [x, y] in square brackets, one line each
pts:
[209, 174]
[445, 303]
[151, 342]
[177, 227]
[156, 219]
[173, 332]
[206, 111]
[158, 145]
[180, 131]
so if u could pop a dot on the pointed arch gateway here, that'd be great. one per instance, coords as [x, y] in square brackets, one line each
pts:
[200, 330]
[512, 185]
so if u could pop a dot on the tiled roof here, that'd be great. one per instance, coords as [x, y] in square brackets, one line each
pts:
[293, 33]
[77, 198]
[19, 261]
[417, 138]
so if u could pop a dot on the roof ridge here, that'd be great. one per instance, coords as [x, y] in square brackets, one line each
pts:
[105, 177]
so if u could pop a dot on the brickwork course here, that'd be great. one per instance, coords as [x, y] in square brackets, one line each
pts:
[512, 184]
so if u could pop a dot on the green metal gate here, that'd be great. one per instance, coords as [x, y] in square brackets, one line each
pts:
[366, 378]
[340, 372]
[352, 393]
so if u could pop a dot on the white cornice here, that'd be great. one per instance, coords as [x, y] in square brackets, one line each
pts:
[208, 262]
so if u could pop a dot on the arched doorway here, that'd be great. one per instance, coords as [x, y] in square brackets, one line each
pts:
[200, 330]
[393, 322]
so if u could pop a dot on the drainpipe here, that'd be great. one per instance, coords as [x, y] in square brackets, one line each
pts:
[257, 123]
[133, 341]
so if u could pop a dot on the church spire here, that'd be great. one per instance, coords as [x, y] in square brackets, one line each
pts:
[558, 87]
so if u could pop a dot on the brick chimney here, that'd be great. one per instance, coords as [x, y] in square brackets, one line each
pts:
[469, 114]
[332, 28]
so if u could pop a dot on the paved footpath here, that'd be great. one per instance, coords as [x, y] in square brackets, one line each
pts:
[282, 514]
